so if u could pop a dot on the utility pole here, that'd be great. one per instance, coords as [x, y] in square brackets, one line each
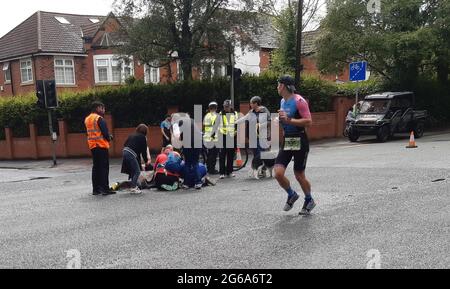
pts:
[232, 75]
[298, 63]
[52, 135]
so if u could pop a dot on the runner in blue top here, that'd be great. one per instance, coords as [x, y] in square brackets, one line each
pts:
[295, 117]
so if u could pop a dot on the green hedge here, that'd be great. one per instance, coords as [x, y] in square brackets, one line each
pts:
[137, 103]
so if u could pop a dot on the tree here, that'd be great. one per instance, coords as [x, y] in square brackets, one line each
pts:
[187, 30]
[404, 40]
[285, 22]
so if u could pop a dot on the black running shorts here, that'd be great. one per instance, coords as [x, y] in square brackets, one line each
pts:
[300, 157]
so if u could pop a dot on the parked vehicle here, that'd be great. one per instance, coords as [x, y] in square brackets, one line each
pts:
[387, 113]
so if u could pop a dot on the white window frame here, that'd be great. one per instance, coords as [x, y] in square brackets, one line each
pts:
[213, 64]
[222, 70]
[111, 60]
[6, 68]
[149, 73]
[64, 66]
[29, 70]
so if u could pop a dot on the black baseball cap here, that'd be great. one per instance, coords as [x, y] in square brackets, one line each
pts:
[289, 81]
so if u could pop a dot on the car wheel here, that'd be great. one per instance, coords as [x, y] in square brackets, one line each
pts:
[353, 135]
[418, 131]
[383, 133]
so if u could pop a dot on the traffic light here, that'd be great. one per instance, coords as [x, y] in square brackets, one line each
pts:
[51, 99]
[46, 94]
[237, 74]
[40, 93]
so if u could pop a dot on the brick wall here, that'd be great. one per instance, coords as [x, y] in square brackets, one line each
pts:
[264, 56]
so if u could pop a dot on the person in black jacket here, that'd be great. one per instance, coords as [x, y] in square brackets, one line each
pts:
[191, 137]
[135, 147]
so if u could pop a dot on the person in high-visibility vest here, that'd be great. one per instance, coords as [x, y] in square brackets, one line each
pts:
[98, 139]
[228, 131]
[211, 137]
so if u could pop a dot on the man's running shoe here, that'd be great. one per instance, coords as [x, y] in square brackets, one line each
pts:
[198, 186]
[222, 177]
[290, 202]
[308, 207]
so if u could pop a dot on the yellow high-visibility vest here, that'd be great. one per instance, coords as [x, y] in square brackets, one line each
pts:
[210, 120]
[228, 125]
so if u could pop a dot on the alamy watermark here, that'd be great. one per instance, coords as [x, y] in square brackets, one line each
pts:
[262, 132]
[374, 259]
[374, 6]
[74, 257]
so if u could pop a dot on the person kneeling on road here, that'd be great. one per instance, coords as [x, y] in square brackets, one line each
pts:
[170, 167]
[135, 147]
[167, 170]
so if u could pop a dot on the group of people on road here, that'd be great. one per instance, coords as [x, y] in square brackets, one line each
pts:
[173, 169]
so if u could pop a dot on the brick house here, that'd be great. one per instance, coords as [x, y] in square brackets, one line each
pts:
[78, 52]
[268, 42]
[75, 50]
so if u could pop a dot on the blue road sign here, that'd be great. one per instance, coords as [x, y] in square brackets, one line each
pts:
[358, 71]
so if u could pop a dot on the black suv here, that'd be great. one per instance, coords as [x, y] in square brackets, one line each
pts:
[384, 114]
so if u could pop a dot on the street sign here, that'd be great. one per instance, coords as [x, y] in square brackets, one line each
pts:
[358, 71]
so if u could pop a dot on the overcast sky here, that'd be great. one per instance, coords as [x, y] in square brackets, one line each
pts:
[14, 12]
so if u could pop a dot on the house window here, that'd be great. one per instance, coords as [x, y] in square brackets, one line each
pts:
[212, 69]
[112, 69]
[220, 70]
[64, 71]
[152, 74]
[116, 71]
[26, 70]
[62, 20]
[7, 72]
[102, 70]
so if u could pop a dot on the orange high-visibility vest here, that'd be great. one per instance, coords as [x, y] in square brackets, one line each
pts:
[95, 137]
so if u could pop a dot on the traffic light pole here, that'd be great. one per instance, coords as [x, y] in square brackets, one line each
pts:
[298, 62]
[50, 126]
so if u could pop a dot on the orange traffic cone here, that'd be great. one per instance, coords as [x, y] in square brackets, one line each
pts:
[239, 161]
[412, 142]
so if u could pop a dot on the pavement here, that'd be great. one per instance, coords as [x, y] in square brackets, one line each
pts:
[379, 204]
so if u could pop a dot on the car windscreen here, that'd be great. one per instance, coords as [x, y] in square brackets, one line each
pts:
[375, 106]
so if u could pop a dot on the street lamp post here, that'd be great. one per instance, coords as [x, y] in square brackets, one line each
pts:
[298, 63]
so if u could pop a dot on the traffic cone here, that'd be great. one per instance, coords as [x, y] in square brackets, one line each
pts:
[239, 161]
[412, 142]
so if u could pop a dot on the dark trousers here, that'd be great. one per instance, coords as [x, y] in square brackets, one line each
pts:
[256, 162]
[100, 170]
[167, 142]
[132, 164]
[191, 160]
[212, 159]
[226, 157]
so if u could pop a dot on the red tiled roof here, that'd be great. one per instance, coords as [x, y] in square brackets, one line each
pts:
[42, 32]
